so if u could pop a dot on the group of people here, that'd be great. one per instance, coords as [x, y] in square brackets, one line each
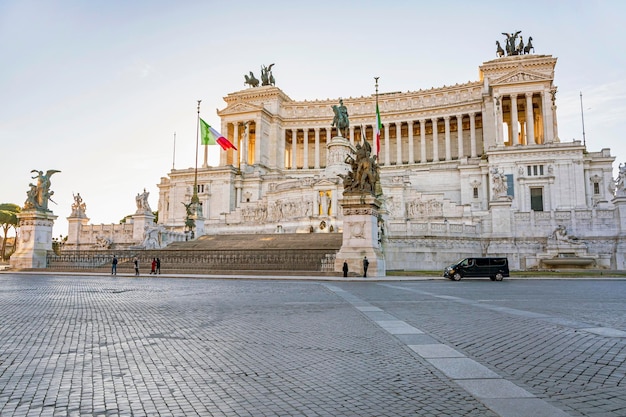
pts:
[366, 264]
[155, 267]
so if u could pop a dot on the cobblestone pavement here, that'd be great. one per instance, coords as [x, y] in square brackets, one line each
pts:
[102, 346]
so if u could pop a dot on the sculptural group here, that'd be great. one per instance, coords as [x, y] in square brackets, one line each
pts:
[364, 175]
[512, 47]
[266, 77]
[39, 194]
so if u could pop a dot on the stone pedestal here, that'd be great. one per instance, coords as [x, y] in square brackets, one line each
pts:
[141, 222]
[361, 235]
[75, 225]
[35, 239]
[338, 148]
[500, 217]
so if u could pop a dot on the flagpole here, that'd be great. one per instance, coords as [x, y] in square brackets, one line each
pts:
[194, 199]
[582, 116]
[174, 154]
[376, 140]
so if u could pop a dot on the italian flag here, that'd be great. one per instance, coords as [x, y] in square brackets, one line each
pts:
[211, 136]
[379, 126]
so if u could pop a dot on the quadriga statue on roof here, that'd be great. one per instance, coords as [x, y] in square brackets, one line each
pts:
[512, 47]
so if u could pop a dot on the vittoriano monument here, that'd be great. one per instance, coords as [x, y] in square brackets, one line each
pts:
[363, 229]
[35, 223]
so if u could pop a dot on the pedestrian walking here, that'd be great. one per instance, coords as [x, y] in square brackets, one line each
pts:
[114, 265]
[136, 262]
[158, 266]
[153, 267]
[345, 269]
[366, 263]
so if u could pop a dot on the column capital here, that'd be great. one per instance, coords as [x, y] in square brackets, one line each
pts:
[529, 95]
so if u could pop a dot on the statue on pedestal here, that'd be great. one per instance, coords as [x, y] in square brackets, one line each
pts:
[341, 120]
[78, 207]
[40, 193]
[365, 172]
[142, 202]
[620, 182]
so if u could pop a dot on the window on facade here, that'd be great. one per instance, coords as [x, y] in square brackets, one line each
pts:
[534, 170]
[200, 188]
[510, 191]
[596, 188]
[475, 192]
[536, 199]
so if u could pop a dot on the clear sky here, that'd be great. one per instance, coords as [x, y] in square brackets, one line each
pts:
[97, 89]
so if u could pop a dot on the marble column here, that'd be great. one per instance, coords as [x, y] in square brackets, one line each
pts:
[246, 143]
[530, 121]
[423, 141]
[257, 141]
[398, 143]
[236, 143]
[305, 153]
[473, 152]
[499, 121]
[459, 131]
[294, 143]
[411, 144]
[351, 128]
[446, 121]
[387, 152]
[283, 144]
[514, 120]
[317, 148]
[435, 140]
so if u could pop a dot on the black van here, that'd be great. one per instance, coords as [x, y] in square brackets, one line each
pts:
[494, 268]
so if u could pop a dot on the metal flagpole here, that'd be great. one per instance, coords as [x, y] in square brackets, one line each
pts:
[582, 116]
[376, 129]
[194, 199]
[174, 153]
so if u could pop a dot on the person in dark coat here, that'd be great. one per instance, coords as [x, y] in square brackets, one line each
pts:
[366, 263]
[136, 262]
[158, 266]
[114, 265]
[345, 269]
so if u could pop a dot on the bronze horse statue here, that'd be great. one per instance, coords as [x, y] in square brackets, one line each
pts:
[529, 46]
[252, 81]
[499, 50]
[340, 120]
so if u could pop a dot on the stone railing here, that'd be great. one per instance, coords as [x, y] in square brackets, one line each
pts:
[195, 261]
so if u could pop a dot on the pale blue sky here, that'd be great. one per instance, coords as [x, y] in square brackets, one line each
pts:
[97, 89]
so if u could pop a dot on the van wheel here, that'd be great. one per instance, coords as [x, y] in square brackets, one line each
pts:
[492, 278]
[456, 276]
[499, 276]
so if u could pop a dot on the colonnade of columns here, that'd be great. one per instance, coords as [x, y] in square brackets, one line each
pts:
[398, 142]
[528, 119]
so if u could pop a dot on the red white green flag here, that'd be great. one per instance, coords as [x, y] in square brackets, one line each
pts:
[211, 136]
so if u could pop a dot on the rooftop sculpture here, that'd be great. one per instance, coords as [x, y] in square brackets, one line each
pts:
[266, 77]
[512, 47]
